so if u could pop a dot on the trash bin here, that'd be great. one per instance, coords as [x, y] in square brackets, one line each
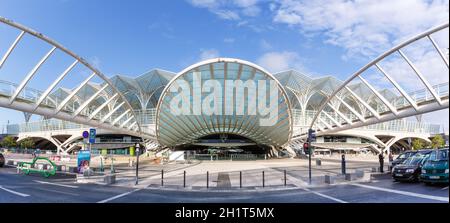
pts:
[318, 162]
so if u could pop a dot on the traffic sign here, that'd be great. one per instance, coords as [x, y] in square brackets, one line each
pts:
[311, 135]
[85, 134]
[306, 148]
[92, 134]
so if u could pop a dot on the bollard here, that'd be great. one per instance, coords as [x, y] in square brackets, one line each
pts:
[263, 178]
[207, 179]
[184, 178]
[240, 179]
[162, 178]
[318, 162]
[329, 179]
[284, 177]
[343, 164]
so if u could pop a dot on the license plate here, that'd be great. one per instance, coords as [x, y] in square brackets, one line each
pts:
[434, 177]
[398, 175]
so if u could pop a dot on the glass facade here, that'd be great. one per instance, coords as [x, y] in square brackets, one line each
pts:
[177, 128]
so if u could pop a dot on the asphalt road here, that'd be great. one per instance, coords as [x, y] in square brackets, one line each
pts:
[16, 188]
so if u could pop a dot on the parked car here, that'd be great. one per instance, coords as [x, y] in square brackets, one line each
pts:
[402, 157]
[411, 168]
[2, 160]
[435, 169]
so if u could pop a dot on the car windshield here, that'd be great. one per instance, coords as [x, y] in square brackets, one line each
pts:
[404, 155]
[416, 159]
[439, 155]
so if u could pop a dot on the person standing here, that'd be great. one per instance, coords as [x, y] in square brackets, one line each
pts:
[391, 158]
[381, 159]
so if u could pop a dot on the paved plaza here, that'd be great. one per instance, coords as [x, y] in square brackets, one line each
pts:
[223, 185]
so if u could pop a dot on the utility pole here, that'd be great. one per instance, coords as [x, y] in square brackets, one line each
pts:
[137, 163]
[311, 138]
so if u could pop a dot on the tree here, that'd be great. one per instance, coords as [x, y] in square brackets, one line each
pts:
[27, 144]
[437, 142]
[417, 144]
[9, 142]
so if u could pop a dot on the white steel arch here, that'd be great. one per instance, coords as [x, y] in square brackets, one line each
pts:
[205, 126]
[437, 100]
[82, 113]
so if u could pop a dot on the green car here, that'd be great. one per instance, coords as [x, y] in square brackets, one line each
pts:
[435, 169]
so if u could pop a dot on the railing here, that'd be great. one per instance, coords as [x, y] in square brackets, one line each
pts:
[399, 125]
[30, 94]
[301, 121]
[423, 95]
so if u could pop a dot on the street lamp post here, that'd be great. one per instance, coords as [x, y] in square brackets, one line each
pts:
[137, 163]
[311, 138]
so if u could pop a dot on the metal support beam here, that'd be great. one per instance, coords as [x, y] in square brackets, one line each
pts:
[438, 49]
[326, 124]
[398, 87]
[112, 112]
[340, 114]
[69, 97]
[383, 99]
[132, 125]
[86, 103]
[53, 85]
[126, 122]
[360, 117]
[422, 78]
[120, 117]
[374, 113]
[11, 48]
[30, 75]
[332, 119]
[91, 116]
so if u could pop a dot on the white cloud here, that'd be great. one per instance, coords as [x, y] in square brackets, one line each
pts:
[206, 54]
[204, 3]
[245, 3]
[229, 40]
[230, 10]
[280, 61]
[363, 27]
[227, 14]
[265, 45]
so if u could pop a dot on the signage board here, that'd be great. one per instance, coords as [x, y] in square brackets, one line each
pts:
[92, 135]
[84, 159]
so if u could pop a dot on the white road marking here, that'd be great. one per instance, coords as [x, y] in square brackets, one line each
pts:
[301, 184]
[445, 188]
[325, 196]
[56, 191]
[119, 196]
[14, 192]
[55, 184]
[437, 198]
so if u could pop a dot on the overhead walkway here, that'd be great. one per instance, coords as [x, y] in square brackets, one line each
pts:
[393, 107]
[96, 105]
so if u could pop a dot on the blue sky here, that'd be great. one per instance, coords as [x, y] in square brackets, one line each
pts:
[315, 37]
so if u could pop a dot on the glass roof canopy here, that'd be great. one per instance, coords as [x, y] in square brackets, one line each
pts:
[178, 129]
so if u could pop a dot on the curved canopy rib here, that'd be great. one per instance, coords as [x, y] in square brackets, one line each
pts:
[96, 105]
[376, 106]
[181, 129]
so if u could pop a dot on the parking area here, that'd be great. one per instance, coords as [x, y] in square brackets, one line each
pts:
[15, 188]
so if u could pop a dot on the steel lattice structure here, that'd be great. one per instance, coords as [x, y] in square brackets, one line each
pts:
[138, 106]
[392, 106]
[102, 105]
